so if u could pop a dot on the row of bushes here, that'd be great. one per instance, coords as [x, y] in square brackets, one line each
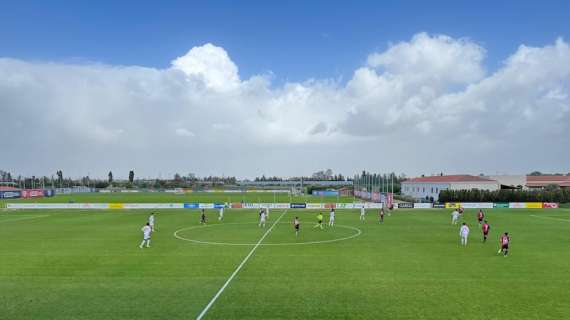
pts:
[559, 195]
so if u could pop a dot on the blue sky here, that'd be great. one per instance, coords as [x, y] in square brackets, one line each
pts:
[418, 87]
[295, 40]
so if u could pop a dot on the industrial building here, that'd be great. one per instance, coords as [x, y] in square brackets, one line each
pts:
[428, 188]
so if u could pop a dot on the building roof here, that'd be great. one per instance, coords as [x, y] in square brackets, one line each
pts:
[6, 188]
[543, 181]
[450, 179]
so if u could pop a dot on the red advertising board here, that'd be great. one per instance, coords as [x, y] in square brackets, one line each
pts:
[32, 193]
[237, 205]
[330, 205]
[550, 205]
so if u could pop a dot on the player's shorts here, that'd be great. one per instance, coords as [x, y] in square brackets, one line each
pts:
[320, 221]
[297, 227]
[505, 247]
[146, 238]
[485, 233]
[262, 220]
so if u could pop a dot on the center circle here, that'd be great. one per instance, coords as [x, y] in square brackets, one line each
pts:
[177, 234]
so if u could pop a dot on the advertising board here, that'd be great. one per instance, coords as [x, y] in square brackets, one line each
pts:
[452, 205]
[422, 205]
[477, 205]
[11, 194]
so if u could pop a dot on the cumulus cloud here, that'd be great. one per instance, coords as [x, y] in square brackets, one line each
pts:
[421, 106]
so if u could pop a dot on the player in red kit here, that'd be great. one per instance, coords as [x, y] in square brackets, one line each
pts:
[480, 216]
[485, 229]
[381, 215]
[505, 240]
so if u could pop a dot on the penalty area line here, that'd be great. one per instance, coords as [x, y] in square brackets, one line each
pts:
[217, 295]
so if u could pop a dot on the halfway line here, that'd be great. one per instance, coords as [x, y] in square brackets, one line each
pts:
[209, 305]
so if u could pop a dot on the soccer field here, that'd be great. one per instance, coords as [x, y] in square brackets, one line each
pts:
[87, 265]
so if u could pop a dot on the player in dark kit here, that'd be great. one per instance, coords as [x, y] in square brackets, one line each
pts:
[486, 227]
[505, 240]
[297, 225]
[203, 217]
[381, 215]
[480, 216]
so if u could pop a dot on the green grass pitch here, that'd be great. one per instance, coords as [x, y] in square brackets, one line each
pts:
[58, 264]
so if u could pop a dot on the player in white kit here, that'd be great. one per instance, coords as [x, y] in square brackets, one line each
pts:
[331, 218]
[262, 218]
[454, 217]
[362, 212]
[151, 221]
[221, 214]
[146, 230]
[464, 234]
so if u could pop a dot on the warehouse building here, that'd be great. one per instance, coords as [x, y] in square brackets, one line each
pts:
[428, 188]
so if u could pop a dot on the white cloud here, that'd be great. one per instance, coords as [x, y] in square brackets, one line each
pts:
[424, 105]
[184, 132]
[209, 64]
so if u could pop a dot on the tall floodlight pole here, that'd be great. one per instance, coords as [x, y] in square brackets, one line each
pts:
[392, 184]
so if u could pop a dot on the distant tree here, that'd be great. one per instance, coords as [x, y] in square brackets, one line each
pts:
[535, 173]
[110, 180]
[177, 177]
[551, 187]
[59, 174]
[131, 176]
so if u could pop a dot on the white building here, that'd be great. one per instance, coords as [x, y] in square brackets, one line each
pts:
[428, 188]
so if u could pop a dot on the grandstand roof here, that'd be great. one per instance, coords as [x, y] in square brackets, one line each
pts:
[450, 179]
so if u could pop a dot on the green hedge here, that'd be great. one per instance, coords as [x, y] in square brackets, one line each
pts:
[560, 196]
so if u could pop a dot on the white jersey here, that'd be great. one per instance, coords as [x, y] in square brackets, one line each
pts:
[331, 215]
[464, 231]
[146, 232]
[362, 211]
[455, 215]
[221, 212]
[262, 217]
[151, 220]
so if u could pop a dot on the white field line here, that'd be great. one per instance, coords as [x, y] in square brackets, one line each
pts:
[550, 218]
[209, 305]
[22, 218]
[357, 233]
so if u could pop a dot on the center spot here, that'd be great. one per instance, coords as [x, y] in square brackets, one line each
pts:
[248, 233]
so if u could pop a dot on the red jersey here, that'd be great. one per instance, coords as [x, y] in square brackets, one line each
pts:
[486, 228]
[480, 215]
[505, 240]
